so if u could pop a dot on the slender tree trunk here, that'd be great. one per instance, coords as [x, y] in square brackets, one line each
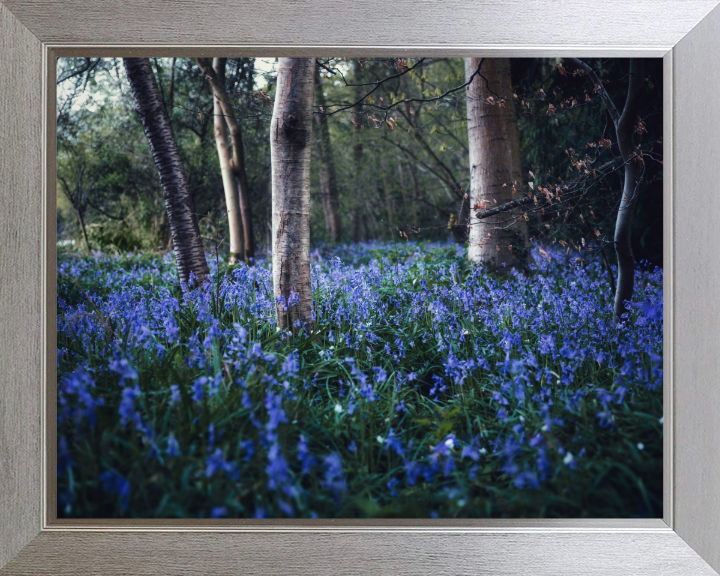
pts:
[238, 156]
[634, 170]
[631, 189]
[416, 189]
[358, 200]
[232, 202]
[494, 146]
[290, 140]
[328, 179]
[171, 95]
[387, 194]
[187, 244]
[84, 230]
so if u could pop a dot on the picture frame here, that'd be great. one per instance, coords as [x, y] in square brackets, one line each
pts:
[686, 34]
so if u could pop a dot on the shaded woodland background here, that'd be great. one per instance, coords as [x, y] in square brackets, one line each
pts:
[407, 176]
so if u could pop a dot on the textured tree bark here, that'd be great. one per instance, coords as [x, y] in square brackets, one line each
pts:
[238, 156]
[499, 241]
[230, 187]
[187, 244]
[290, 140]
[328, 178]
[631, 188]
[358, 199]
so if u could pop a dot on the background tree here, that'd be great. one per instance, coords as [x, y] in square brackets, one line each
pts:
[230, 184]
[626, 124]
[328, 179]
[238, 152]
[187, 244]
[291, 137]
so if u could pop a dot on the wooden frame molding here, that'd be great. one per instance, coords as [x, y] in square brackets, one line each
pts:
[685, 33]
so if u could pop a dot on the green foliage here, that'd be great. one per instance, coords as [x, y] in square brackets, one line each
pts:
[398, 319]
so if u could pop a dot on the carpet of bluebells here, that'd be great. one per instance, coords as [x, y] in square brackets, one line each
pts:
[431, 388]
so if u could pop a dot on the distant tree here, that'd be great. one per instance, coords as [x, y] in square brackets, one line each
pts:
[358, 198]
[230, 184]
[290, 144]
[187, 243]
[495, 173]
[237, 162]
[76, 181]
[326, 162]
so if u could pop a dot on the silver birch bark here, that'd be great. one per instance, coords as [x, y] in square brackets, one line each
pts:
[290, 146]
[187, 244]
[494, 149]
[230, 186]
[238, 152]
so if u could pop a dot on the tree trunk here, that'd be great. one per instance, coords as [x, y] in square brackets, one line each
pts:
[187, 244]
[328, 179]
[388, 197]
[290, 139]
[232, 202]
[631, 189]
[634, 170]
[494, 144]
[359, 196]
[84, 231]
[238, 157]
[171, 95]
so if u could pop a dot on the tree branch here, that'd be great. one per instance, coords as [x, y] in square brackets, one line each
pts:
[609, 104]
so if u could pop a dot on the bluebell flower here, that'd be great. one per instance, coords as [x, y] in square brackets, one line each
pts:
[217, 462]
[173, 446]
[114, 483]
[392, 486]
[334, 479]
[198, 388]
[174, 394]
[218, 512]
[124, 369]
[127, 409]
[304, 456]
[211, 435]
[277, 468]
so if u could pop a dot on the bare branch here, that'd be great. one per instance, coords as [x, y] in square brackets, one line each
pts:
[504, 207]
[609, 104]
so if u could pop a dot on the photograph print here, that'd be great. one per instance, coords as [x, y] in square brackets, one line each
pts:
[359, 288]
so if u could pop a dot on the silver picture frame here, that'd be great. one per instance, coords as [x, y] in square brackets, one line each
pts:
[685, 33]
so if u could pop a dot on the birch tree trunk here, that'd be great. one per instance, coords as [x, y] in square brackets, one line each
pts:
[238, 152]
[494, 145]
[232, 202]
[290, 139]
[187, 244]
[328, 178]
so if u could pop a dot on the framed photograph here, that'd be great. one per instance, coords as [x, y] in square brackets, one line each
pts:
[319, 288]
